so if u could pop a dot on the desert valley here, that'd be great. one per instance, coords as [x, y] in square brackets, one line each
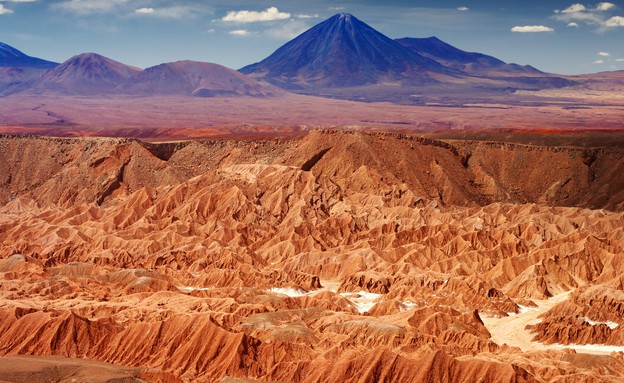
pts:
[353, 208]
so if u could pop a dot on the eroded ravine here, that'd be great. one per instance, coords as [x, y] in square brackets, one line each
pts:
[511, 329]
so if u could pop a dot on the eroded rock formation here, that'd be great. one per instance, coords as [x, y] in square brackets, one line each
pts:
[335, 257]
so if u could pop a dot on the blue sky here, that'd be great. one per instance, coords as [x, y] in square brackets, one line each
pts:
[558, 36]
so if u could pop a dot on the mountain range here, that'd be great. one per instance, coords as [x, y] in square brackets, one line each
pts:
[93, 74]
[341, 57]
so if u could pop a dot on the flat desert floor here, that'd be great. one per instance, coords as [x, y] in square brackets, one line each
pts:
[579, 109]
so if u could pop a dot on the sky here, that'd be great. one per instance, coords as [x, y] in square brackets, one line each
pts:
[564, 37]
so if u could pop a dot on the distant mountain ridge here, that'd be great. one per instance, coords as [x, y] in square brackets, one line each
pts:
[91, 74]
[468, 62]
[194, 78]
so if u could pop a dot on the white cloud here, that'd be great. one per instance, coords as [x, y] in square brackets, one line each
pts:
[463, 8]
[619, 60]
[591, 18]
[336, 8]
[599, 62]
[240, 32]
[145, 11]
[531, 29]
[615, 21]
[174, 12]
[604, 54]
[90, 6]
[270, 14]
[4, 11]
[605, 6]
[574, 8]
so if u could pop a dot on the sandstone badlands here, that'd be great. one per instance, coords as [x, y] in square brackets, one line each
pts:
[331, 256]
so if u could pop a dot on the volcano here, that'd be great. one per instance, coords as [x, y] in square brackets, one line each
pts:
[343, 51]
[192, 78]
[85, 74]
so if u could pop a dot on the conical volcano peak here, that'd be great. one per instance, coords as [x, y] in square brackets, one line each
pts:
[345, 17]
[85, 74]
[94, 66]
[86, 57]
[342, 51]
[346, 20]
[90, 58]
